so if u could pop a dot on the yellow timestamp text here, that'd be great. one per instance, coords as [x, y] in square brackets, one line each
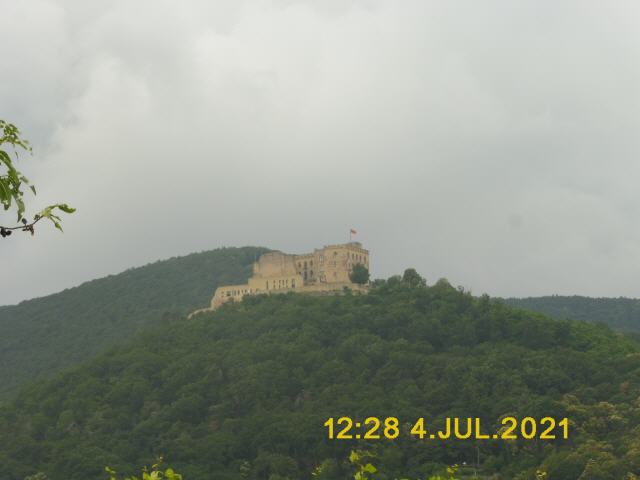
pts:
[510, 428]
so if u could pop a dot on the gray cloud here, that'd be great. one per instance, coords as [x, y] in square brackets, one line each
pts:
[494, 143]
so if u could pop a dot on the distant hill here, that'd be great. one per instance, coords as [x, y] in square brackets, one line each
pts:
[619, 313]
[243, 392]
[44, 335]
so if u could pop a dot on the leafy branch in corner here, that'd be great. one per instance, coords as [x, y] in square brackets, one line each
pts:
[12, 183]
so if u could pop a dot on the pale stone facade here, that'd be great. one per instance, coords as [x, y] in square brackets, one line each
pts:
[327, 269]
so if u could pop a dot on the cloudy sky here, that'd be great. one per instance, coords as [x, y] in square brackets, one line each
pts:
[495, 143]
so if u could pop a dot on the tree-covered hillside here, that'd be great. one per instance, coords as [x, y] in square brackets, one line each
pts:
[244, 392]
[619, 313]
[44, 335]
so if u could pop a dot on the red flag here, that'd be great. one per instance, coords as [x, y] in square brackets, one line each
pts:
[353, 232]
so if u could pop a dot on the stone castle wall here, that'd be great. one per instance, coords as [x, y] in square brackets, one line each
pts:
[326, 270]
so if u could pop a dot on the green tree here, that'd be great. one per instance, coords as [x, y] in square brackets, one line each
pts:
[37, 476]
[154, 473]
[359, 274]
[12, 183]
[413, 278]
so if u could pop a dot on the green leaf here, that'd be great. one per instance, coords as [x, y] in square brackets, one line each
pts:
[369, 468]
[65, 208]
[20, 204]
[5, 194]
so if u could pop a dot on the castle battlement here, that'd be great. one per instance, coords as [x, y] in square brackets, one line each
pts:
[325, 270]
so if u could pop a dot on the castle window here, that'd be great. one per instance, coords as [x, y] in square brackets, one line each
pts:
[293, 283]
[305, 264]
[311, 263]
[311, 273]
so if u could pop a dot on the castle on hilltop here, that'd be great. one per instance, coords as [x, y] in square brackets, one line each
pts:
[326, 270]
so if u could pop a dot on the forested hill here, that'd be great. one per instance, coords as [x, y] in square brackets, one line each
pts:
[243, 393]
[619, 313]
[46, 334]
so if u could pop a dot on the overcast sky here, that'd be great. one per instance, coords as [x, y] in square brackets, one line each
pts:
[495, 143]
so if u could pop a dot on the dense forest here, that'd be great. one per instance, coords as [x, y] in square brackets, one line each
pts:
[619, 313]
[244, 392]
[45, 335]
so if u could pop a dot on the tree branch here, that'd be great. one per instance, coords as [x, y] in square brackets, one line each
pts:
[25, 227]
